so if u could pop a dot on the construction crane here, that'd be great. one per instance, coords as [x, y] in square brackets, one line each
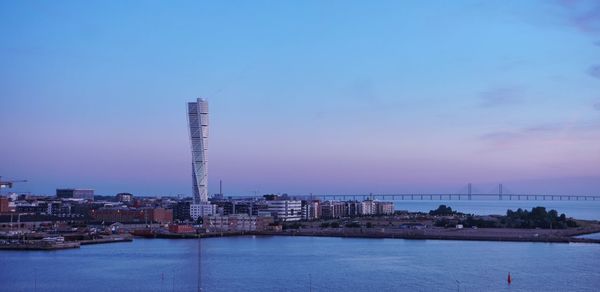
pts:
[9, 183]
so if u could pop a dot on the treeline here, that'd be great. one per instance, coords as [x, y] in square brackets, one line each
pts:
[538, 217]
[444, 210]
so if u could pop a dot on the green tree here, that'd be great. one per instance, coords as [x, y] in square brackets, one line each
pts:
[442, 210]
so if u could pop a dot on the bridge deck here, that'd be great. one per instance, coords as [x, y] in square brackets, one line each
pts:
[525, 197]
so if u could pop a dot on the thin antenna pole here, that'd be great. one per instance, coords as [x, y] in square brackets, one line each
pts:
[199, 263]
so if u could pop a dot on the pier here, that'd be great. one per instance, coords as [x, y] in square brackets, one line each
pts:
[37, 245]
[17, 244]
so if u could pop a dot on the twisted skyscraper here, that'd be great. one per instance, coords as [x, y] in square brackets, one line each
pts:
[198, 122]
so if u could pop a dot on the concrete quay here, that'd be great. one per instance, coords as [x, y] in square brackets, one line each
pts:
[481, 234]
[38, 245]
[8, 244]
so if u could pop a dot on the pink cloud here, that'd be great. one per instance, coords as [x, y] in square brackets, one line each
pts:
[583, 14]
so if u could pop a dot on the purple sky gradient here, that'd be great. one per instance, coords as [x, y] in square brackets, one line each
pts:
[336, 97]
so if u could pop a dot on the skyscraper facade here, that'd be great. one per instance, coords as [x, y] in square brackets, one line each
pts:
[198, 124]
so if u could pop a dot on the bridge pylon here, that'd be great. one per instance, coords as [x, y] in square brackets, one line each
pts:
[469, 191]
[500, 192]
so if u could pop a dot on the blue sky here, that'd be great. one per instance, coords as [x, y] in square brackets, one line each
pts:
[305, 96]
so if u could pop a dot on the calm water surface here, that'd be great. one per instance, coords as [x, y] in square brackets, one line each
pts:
[304, 264]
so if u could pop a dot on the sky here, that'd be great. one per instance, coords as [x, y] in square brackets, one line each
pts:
[322, 97]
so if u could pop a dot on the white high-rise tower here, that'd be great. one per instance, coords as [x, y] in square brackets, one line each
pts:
[198, 124]
[198, 121]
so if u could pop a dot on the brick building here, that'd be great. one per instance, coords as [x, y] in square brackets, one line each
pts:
[4, 208]
[133, 215]
[182, 229]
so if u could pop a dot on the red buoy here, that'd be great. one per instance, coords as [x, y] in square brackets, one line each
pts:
[509, 279]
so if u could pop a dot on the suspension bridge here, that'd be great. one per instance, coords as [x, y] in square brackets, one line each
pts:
[469, 194]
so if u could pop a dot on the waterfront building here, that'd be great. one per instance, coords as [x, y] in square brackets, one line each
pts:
[86, 194]
[201, 210]
[182, 229]
[384, 208]
[257, 207]
[285, 210]
[59, 208]
[25, 222]
[237, 222]
[198, 125]
[353, 208]
[242, 222]
[133, 215]
[334, 209]
[242, 207]
[265, 213]
[224, 207]
[367, 207]
[181, 211]
[310, 210]
[4, 205]
[327, 210]
[34, 207]
[126, 198]
[81, 210]
[215, 222]
[231, 206]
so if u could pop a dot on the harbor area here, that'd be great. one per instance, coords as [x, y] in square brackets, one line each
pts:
[52, 223]
[44, 241]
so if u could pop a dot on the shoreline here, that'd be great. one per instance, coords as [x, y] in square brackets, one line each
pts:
[40, 246]
[431, 237]
[486, 234]
[46, 246]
